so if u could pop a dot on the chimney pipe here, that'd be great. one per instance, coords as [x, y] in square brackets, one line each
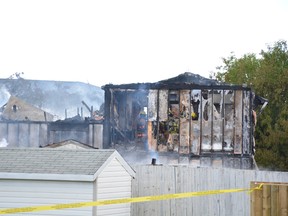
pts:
[153, 161]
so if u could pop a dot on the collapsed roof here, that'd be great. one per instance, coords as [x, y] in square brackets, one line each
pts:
[190, 78]
[187, 80]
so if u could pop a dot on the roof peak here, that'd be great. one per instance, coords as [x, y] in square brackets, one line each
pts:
[191, 78]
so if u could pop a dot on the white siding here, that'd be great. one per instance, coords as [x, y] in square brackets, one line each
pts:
[25, 193]
[114, 182]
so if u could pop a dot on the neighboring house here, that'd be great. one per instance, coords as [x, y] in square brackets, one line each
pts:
[63, 99]
[45, 176]
[18, 110]
[69, 144]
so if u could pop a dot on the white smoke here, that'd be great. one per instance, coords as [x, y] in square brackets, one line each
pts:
[4, 95]
[3, 143]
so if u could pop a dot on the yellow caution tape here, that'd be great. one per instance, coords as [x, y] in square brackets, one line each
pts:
[125, 200]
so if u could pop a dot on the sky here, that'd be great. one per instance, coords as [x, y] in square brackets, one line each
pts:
[132, 41]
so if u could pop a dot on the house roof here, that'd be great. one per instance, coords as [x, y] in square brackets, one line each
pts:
[57, 164]
[191, 78]
[18, 109]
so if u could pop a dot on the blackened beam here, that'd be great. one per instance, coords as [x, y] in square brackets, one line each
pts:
[86, 106]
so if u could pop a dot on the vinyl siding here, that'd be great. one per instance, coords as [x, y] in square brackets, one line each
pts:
[25, 193]
[114, 182]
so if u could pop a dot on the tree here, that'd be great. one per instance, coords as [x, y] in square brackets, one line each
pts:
[273, 84]
[16, 75]
[268, 76]
[238, 71]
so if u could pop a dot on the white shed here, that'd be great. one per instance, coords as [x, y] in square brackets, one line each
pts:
[48, 176]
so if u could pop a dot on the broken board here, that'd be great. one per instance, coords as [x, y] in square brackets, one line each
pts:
[152, 105]
[195, 122]
[238, 122]
[206, 144]
[163, 134]
[195, 137]
[246, 149]
[228, 120]
[217, 111]
[184, 122]
[152, 141]
[152, 117]
[173, 128]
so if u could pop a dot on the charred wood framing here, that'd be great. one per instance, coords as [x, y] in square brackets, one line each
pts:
[187, 114]
[108, 129]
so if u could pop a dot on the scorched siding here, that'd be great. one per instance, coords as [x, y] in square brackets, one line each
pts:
[114, 182]
[25, 193]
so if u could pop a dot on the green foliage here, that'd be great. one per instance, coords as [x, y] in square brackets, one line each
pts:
[268, 76]
[238, 71]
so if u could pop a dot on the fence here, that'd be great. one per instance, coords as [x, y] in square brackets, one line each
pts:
[169, 179]
[272, 200]
[35, 134]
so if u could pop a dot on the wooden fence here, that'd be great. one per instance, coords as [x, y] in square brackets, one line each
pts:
[168, 179]
[272, 200]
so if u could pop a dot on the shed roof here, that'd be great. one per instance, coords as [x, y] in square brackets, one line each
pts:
[57, 164]
[72, 144]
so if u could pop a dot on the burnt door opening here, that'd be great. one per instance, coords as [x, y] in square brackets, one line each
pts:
[128, 116]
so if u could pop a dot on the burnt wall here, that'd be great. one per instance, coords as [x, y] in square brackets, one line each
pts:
[197, 120]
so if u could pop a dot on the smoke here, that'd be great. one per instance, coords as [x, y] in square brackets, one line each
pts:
[154, 154]
[3, 143]
[4, 95]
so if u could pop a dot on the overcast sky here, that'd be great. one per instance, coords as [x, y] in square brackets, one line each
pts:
[127, 41]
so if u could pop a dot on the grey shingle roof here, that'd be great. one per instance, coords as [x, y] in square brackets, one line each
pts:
[53, 161]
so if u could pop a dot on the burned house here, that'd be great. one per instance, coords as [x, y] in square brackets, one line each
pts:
[187, 114]
[25, 125]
